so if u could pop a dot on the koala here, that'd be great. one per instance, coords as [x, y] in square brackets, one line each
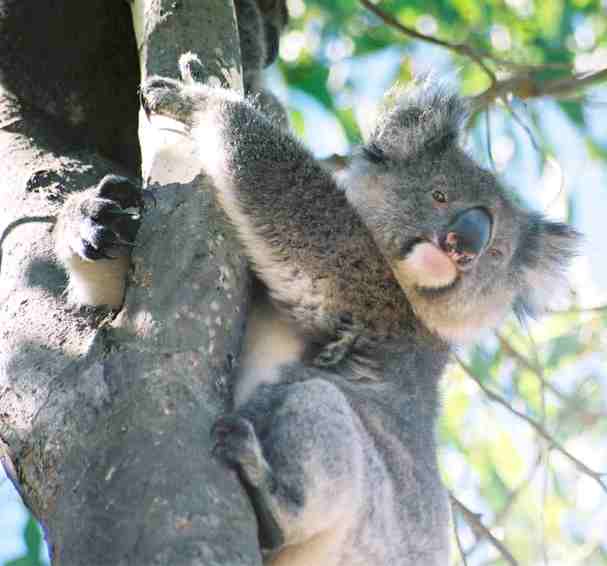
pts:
[367, 280]
[371, 277]
[76, 63]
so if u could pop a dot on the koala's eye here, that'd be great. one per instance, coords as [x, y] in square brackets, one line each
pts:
[495, 253]
[439, 196]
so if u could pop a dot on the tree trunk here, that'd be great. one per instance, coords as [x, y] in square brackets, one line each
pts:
[105, 422]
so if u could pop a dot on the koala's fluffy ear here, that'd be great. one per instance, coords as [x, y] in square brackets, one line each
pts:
[424, 117]
[544, 254]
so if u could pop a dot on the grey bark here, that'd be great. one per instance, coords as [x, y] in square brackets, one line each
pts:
[104, 422]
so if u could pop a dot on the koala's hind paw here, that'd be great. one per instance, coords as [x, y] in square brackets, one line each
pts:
[96, 224]
[235, 442]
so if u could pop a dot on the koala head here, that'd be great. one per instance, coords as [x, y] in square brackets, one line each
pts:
[459, 245]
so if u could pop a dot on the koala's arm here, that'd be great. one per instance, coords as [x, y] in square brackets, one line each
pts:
[304, 239]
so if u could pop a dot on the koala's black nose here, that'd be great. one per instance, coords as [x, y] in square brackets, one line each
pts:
[468, 235]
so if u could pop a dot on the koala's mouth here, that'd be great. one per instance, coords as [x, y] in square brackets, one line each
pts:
[462, 259]
[423, 265]
[463, 241]
[446, 246]
[437, 264]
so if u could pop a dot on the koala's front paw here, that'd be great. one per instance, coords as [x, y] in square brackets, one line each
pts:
[185, 101]
[102, 222]
[167, 97]
[236, 444]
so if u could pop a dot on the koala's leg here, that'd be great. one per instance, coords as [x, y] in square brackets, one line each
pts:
[93, 236]
[295, 223]
[299, 451]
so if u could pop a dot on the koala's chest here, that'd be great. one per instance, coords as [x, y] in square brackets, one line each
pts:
[270, 342]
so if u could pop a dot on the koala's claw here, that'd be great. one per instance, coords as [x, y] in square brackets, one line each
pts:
[87, 251]
[103, 220]
[149, 93]
[235, 443]
[161, 95]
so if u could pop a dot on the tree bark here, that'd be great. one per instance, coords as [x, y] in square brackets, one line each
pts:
[105, 421]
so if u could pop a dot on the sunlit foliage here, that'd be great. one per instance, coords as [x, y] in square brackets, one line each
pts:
[523, 431]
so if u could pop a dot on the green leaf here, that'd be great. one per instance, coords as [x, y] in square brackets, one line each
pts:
[574, 111]
[311, 78]
[33, 542]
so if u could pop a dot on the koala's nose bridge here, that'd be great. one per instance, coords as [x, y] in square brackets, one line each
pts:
[470, 232]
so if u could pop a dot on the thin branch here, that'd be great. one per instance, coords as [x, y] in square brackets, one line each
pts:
[536, 370]
[562, 188]
[501, 515]
[459, 544]
[514, 353]
[597, 309]
[572, 84]
[489, 142]
[461, 48]
[524, 84]
[529, 67]
[583, 468]
[544, 447]
[513, 495]
[477, 55]
[571, 403]
[525, 127]
[474, 522]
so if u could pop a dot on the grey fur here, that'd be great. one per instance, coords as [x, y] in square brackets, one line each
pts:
[337, 450]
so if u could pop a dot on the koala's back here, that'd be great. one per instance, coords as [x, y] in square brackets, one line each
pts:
[76, 62]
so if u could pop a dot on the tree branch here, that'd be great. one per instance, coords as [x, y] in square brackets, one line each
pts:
[106, 426]
[524, 83]
[459, 48]
[583, 468]
[474, 521]
[513, 495]
[527, 86]
[598, 309]
[569, 401]
[460, 547]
